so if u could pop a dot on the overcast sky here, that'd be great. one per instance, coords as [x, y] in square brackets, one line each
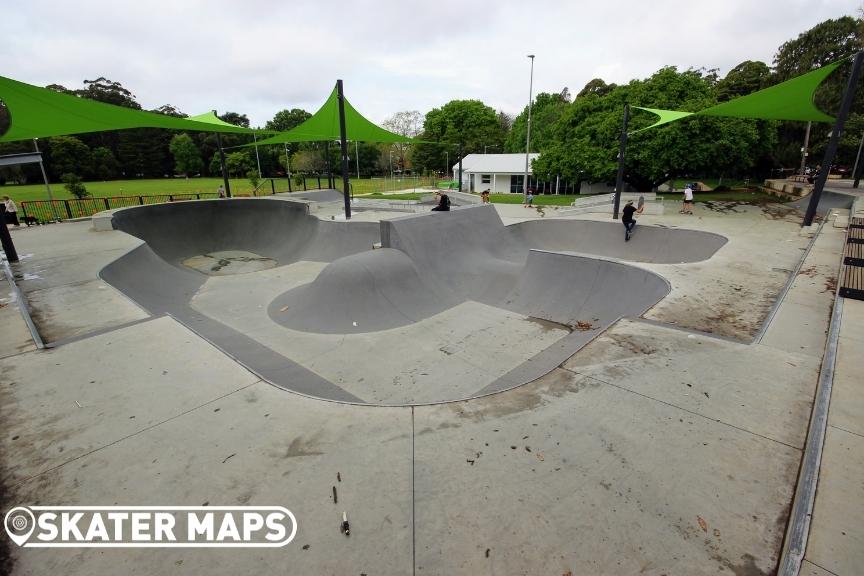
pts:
[257, 57]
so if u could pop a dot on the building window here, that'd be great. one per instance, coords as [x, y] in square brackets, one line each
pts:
[486, 178]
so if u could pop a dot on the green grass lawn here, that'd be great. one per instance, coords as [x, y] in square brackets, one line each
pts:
[152, 187]
[128, 188]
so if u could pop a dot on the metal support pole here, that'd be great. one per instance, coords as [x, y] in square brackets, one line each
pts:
[357, 158]
[460, 167]
[257, 158]
[6, 238]
[224, 166]
[343, 140]
[528, 136]
[329, 168]
[804, 149]
[622, 150]
[47, 185]
[856, 170]
[831, 150]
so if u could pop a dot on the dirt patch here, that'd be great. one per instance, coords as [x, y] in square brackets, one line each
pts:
[522, 399]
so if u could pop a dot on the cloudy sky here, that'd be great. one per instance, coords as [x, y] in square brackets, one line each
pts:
[258, 57]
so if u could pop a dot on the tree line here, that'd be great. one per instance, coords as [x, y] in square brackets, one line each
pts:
[576, 136]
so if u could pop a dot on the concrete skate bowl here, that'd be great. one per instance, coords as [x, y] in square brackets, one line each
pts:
[464, 266]
[649, 244]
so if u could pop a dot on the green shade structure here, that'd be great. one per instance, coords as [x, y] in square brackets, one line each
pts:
[38, 113]
[213, 119]
[666, 116]
[324, 125]
[790, 100]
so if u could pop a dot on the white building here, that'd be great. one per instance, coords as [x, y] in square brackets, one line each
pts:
[499, 173]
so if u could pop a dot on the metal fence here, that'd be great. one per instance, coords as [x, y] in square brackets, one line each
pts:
[51, 210]
[54, 210]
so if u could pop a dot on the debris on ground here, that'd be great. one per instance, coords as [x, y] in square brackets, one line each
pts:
[583, 326]
[345, 527]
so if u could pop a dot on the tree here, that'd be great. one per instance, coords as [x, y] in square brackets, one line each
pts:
[585, 139]
[285, 120]
[545, 112]
[187, 158]
[107, 91]
[468, 123]
[104, 164]
[826, 42]
[235, 119]
[745, 78]
[68, 155]
[72, 183]
[597, 87]
[239, 163]
[408, 123]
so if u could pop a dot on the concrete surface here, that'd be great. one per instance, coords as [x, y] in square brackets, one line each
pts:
[836, 541]
[655, 449]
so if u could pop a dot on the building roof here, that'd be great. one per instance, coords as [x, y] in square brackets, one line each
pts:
[495, 163]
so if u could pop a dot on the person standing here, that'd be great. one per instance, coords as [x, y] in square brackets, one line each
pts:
[484, 196]
[11, 211]
[687, 207]
[221, 191]
[529, 198]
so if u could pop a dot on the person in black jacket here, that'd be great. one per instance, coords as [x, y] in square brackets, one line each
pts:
[443, 203]
[628, 220]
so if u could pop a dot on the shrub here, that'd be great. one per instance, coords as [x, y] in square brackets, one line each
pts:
[72, 183]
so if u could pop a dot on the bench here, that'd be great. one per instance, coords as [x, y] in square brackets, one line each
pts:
[852, 274]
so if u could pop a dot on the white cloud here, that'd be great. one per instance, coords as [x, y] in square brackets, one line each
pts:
[258, 57]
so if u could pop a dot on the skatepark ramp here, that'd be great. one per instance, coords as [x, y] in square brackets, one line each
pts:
[430, 266]
[281, 230]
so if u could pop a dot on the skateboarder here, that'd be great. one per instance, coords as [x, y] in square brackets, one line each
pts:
[628, 220]
[687, 207]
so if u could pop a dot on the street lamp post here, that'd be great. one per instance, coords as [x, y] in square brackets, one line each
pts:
[528, 137]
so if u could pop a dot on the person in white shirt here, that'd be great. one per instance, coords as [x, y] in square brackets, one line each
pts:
[11, 212]
[687, 207]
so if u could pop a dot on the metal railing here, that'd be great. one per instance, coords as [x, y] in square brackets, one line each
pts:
[45, 211]
[51, 210]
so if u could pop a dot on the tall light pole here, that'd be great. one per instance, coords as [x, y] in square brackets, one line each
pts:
[804, 149]
[528, 138]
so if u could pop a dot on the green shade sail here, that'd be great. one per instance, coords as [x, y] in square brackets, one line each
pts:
[38, 113]
[324, 125]
[790, 100]
[666, 116]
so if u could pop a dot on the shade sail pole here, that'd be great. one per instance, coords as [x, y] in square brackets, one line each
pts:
[47, 185]
[831, 150]
[622, 150]
[343, 141]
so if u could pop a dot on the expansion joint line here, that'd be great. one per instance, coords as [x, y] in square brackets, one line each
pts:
[693, 412]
